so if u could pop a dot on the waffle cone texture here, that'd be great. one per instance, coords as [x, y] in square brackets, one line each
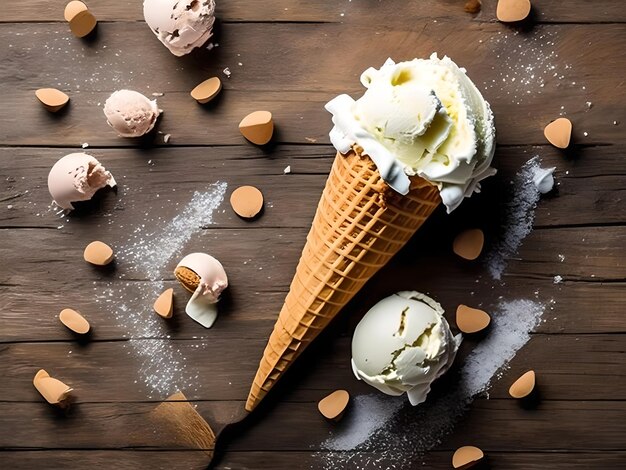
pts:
[359, 225]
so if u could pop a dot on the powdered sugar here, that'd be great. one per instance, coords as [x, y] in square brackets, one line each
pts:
[146, 254]
[517, 223]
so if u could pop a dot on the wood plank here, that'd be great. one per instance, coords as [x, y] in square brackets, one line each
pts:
[591, 183]
[325, 11]
[296, 90]
[166, 460]
[97, 371]
[562, 425]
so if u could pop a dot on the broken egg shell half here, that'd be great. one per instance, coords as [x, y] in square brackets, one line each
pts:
[207, 90]
[466, 457]
[53, 390]
[469, 244]
[333, 405]
[74, 321]
[471, 320]
[559, 132]
[257, 127]
[203, 275]
[98, 253]
[72, 9]
[246, 201]
[164, 305]
[83, 23]
[523, 386]
[52, 99]
[510, 11]
[77, 177]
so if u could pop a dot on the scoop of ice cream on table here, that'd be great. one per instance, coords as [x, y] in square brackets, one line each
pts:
[421, 134]
[77, 177]
[402, 345]
[130, 113]
[203, 276]
[181, 25]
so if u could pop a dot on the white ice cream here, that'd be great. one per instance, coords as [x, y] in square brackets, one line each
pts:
[130, 113]
[402, 345]
[423, 117]
[181, 25]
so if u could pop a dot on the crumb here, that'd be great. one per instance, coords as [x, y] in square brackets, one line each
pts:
[287, 169]
[558, 279]
[585, 134]
[589, 104]
[227, 72]
[310, 139]
[158, 94]
[473, 6]
[166, 138]
[85, 145]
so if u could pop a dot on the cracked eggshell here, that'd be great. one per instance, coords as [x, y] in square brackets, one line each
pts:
[205, 276]
[77, 177]
[130, 113]
[181, 25]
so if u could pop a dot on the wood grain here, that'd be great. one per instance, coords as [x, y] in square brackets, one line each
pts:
[295, 55]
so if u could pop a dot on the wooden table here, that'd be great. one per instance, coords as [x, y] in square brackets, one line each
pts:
[291, 57]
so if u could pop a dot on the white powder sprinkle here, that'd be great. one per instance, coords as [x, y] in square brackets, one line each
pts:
[146, 254]
[402, 434]
[517, 223]
[287, 169]
[227, 72]
[558, 279]
[85, 145]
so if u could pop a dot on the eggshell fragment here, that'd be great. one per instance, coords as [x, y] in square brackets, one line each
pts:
[333, 406]
[469, 244]
[83, 23]
[52, 99]
[523, 386]
[559, 132]
[471, 320]
[98, 253]
[207, 90]
[164, 305]
[74, 321]
[466, 457]
[53, 390]
[509, 11]
[257, 127]
[72, 9]
[247, 201]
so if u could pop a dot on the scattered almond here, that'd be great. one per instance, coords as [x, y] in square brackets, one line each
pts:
[164, 305]
[510, 11]
[523, 386]
[72, 9]
[473, 6]
[333, 406]
[207, 90]
[74, 321]
[469, 244]
[247, 201]
[98, 253]
[471, 320]
[83, 23]
[52, 99]
[257, 127]
[467, 457]
[559, 132]
[53, 390]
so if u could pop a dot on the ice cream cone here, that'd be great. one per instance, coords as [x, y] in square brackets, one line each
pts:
[360, 224]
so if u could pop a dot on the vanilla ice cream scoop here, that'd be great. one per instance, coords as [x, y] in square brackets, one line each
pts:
[402, 345]
[130, 113]
[205, 277]
[77, 177]
[181, 25]
[423, 117]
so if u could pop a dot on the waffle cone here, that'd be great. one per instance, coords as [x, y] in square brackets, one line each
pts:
[359, 225]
